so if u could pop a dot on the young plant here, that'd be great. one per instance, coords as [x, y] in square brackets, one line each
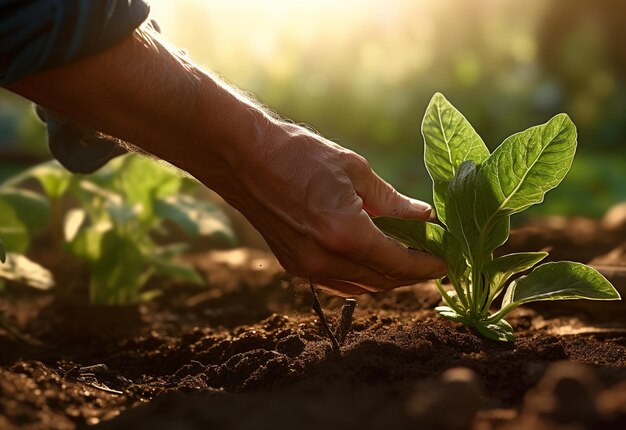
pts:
[475, 193]
[109, 219]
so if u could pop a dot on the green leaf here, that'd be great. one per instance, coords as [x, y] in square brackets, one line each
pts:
[3, 255]
[449, 140]
[500, 331]
[460, 205]
[500, 269]
[559, 281]
[523, 168]
[18, 268]
[426, 236]
[32, 209]
[87, 242]
[116, 276]
[52, 177]
[461, 212]
[448, 312]
[12, 230]
[196, 217]
[74, 220]
[176, 269]
[143, 180]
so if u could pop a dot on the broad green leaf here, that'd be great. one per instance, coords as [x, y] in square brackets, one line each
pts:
[172, 268]
[3, 255]
[116, 276]
[52, 177]
[121, 213]
[559, 281]
[500, 331]
[12, 230]
[523, 168]
[196, 217]
[460, 207]
[87, 190]
[461, 213]
[448, 312]
[449, 140]
[87, 243]
[18, 268]
[32, 209]
[143, 180]
[74, 219]
[428, 237]
[500, 269]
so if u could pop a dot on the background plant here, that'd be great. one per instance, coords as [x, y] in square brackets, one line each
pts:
[475, 193]
[108, 220]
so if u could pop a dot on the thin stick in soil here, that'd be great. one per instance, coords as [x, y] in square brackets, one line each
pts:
[317, 307]
[345, 322]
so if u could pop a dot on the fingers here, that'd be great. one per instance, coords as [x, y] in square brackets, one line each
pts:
[381, 199]
[356, 238]
[392, 259]
[340, 288]
[336, 271]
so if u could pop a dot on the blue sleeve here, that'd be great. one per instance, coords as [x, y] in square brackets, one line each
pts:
[36, 35]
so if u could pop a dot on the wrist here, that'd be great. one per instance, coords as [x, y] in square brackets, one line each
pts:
[226, 130]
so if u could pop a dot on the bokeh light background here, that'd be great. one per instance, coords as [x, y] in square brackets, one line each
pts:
[361, 72]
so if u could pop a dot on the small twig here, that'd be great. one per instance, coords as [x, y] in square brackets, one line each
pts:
[346, 320]
[102, 387]
[88, 375]
[100, 368]
[317, 307]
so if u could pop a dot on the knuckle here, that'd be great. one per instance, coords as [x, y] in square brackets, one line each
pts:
[361, 165]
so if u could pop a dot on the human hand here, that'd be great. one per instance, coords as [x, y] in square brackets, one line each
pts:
[312, 199]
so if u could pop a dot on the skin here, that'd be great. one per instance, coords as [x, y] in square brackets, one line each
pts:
[310, 198]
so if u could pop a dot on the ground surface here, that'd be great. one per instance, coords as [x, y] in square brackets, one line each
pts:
[248, 353]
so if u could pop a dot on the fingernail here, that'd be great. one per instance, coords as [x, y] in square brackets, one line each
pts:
[421, 206]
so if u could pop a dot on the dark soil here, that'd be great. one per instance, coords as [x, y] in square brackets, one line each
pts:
[247, 353]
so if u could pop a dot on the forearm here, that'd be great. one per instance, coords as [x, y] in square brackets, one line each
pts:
[310, 198]
[143, 92]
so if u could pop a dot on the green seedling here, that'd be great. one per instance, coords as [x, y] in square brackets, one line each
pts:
[109, 221]
[475, 192]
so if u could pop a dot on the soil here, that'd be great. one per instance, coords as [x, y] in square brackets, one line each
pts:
[247, 352]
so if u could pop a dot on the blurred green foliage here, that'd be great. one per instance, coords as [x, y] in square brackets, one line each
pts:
[361, 72]
[110, 221]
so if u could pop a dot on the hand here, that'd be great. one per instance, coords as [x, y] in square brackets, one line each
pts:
[311, 199]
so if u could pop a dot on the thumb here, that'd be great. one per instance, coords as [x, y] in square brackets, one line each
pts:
[381, 199]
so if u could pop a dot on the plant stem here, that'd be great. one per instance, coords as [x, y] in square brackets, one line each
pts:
[459, 292]
[475, 291]
[317, 307]
[56, 223]
[345, 322]
[500, 314]
[446, 298]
